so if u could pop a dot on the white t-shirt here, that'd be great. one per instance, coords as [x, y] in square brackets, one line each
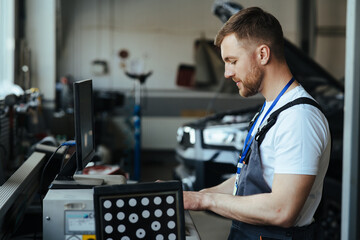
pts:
[298, 143]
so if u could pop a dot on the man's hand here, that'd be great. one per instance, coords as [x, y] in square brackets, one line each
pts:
[192, 200]
[201, 200]
[195, 201]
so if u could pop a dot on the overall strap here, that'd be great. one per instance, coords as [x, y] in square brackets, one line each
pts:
[252, 122]
[273, 117]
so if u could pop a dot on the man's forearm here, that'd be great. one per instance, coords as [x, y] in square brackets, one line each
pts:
[280, 207]
[250, 209]
[260, 209]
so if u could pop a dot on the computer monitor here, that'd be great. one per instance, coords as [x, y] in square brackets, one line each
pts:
[84, 133]
[84, 123]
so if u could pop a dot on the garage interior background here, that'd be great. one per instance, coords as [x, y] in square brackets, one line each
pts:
[65, 37]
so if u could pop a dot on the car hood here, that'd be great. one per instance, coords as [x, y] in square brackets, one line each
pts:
[307, 71]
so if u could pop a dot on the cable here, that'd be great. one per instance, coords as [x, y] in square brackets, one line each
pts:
[67, 144]
[46, 166]
[63, 158]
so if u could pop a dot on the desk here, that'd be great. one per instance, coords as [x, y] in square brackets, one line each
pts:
[190, 228]
[59, 201]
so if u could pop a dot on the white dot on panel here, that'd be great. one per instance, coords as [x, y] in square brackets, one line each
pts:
[145, 214]
[171, 224]
[133, 218]
[120, 216]
[145, 201]
[132, 202]
[170, 212]
[172, 236]
[121, 228]
[157, 200]
[158, 213]
[108, 217]
[120, 203]
[140, 233]
[170, 199]
[159, 237]
[107, 204]
[109, 229]
[155, 226]
[109, 239]
[125, 238]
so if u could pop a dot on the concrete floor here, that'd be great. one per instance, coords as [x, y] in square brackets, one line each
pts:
[159, 166]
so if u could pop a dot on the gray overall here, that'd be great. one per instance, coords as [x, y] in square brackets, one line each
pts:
[252, 182]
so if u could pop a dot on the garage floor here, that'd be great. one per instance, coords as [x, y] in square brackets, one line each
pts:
[157, 166]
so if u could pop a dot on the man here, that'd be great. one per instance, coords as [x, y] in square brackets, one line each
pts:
[278, 185]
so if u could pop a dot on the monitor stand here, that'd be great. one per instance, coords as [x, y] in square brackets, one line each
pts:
[73, 183]
[67, 179]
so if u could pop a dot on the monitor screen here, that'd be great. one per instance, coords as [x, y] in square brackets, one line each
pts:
[84, 123]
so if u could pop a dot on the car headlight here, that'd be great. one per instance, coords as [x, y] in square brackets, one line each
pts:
[180, 134]
[226, 136]
[191, 133]
[186, 136]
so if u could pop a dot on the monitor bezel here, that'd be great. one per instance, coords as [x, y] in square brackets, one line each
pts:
[82, 161]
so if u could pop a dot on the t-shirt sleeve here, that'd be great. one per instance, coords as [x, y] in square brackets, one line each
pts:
[300, 140]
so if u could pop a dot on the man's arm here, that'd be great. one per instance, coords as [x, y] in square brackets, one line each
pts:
[280, 207]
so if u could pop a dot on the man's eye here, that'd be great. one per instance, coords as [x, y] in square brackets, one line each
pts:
[233, 63]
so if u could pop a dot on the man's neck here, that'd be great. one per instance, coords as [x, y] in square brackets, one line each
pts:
[275, 81]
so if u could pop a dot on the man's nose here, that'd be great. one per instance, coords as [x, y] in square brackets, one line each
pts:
[228, 72]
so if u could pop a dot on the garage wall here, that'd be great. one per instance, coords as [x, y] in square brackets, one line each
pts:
[330, 32]
[160, 33]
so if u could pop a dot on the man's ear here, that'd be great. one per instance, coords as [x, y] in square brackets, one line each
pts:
[263, 52]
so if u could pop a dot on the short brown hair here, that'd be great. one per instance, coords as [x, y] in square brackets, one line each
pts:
[255, 24]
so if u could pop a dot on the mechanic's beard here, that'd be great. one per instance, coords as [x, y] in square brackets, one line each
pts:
[252, 82]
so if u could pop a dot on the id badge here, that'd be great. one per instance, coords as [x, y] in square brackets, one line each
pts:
[237, 178]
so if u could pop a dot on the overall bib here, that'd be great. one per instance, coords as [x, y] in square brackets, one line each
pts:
[251, 181]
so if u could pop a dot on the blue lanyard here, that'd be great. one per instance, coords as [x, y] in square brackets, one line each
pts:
[250, 138]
